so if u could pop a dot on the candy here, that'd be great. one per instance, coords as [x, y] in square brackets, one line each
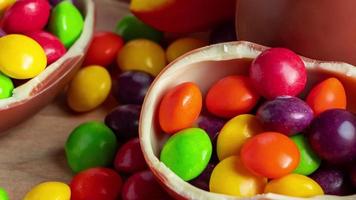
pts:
[285, 114]
[95, 184]
[309, 161]
[6, 86]
[3, 194]
[333, 181]
[295, 185]
[2, 32]
[49, 191]
[129, 157]
[5, 4]
[223, 33]
[277, 72]
[232, 178]
[123, 120]
[131, 87]
[53, 48]
[187, 153]
[103, 49]
[89, 88]
[202, 181]
[91, 144]
[231, 96]
[180, 107]
[21, 57]
[55, 2]
[66, 23]
[326, 95]
[26, 16]
[270, 154]
[212, 125]
[142, 186]
[235, 133]
[142, 55]
[182, 46]
[352, 175]
[130, 28]
[332, 135]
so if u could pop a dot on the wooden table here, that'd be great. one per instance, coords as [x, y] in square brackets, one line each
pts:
[33, 152]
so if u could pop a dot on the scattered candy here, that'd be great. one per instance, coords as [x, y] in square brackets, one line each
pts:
[89, 88]
[91, 144]
[187, 153]
[49, 191]
[223, 33]
[3, 195]
[6, 86]
[180, 107]
[182, 46]
[295, 185]
[142, 55]
[202, 181]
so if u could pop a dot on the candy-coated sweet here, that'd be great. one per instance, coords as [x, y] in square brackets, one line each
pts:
[333, 181]
[129, 157]
[123, 120]
[3, 194]
[277, 72]
[270, 154]
[90, 144]
[143, 186]
[26, 16]
[182, 46]
[285, 114]
[53, 48]
[66, 22]
[187, 153]
[231, 96]
[352, 175]
[96, 183]
[89, 88]
[212, 125]
[49, 191]
[295, 185]
[223, 33]
[131, 87]
[142, 55]
[103, 49]
[332, 135]
[328, 94]
[202, 181]
[309, 161]
[6, 86]
[21, 57]
[130, 28]
[180, 107]
[235, 133]
[232, 178]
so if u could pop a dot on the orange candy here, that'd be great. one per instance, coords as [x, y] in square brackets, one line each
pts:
[328, 94]
[270, 154]
[180, 107]
[231, 96]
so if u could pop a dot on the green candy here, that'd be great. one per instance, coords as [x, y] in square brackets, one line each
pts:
[66, 23]
[309, 161]
[6, 86]
[3, 194]
[91, 144]
[187, 153]
[130, 28]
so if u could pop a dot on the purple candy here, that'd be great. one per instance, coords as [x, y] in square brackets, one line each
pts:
[285, 114]
[353, 174]
[202, 181]
[332, 135]
[223, 33]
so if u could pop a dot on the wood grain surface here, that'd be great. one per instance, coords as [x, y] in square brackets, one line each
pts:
[33, 152]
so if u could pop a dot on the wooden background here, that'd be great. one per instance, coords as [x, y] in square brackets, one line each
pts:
[33, 152]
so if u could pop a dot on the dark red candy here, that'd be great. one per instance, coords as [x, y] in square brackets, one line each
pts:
[212, 125]
[202, 181]
[143, 186]
[95, 184]
[129, 158]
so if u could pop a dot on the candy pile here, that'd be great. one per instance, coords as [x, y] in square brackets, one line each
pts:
[252, 134]
[26, 48]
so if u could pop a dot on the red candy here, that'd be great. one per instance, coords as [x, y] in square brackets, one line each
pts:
[95, 184]
[103, 49]
[53, 48]
[278, 71]
[26, 16]
[129, 158]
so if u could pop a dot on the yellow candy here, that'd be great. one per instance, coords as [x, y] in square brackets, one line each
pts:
[232, 178]
[4, 4]
[143, 55]
[182, 46]
[49, 191]
[21, 57]
[234, 134]
[89, 88]
[294, 185]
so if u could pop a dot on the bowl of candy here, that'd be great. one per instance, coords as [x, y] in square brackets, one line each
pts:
[42, 45]
[239, 120]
